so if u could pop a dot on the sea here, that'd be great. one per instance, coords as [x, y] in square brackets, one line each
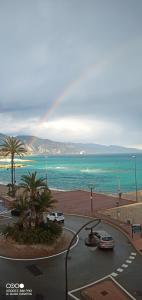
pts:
[103, 173]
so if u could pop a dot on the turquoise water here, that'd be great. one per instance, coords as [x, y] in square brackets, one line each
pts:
[105, 173]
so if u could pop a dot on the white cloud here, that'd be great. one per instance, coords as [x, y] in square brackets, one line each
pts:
[79, 130]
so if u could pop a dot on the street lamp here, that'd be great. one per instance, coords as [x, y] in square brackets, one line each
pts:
[14, 177]
[91, 197]
[46, 170]
[68, 250]
[119, 193]
[134, 156]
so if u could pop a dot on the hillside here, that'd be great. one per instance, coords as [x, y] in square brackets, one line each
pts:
[37, 145]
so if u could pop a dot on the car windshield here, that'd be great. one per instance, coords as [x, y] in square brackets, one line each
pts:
[59, 214]
[107, 238]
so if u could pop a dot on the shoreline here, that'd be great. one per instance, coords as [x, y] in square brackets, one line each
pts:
[3, 187]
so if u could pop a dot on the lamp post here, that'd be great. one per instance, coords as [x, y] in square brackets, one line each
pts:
[119, 193]
[68, 250]
[14, 178]
[91, 199]
[46, 170]
[136, 186]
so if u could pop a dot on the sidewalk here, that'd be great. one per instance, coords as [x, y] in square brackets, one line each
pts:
[108, 289]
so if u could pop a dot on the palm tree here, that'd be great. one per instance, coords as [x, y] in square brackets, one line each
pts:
[33, 188]
[32, 185]
[22, 205]
[12, 146]
[44, 202]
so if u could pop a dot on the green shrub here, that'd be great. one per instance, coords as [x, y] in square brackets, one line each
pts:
[45, 234]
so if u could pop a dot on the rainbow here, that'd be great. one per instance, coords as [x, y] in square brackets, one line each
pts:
[97, 68]
[67, 91]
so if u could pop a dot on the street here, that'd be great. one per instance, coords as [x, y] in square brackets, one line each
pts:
[46, 277]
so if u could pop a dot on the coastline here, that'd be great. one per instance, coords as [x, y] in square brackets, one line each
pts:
[131, 195]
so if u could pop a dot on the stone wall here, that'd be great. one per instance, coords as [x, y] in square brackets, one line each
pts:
[128, 213]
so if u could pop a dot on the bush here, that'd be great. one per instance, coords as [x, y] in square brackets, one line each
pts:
[40, 235]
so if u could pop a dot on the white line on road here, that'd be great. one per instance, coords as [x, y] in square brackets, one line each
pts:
[125, 266]
[45, 257]
[133, 253]
[114, 274]
[132, 257]
[128, 261]
[70, 293]
[119, 270]
[122, 288]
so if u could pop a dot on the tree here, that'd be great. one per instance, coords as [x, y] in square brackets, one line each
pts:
[11, 146]
[32, 203]
[32, 185]
[22, 205]
[38, 194]
[43, 202]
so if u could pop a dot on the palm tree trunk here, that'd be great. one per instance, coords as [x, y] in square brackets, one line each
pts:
[12, 175]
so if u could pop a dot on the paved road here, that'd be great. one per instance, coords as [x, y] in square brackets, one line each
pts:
[47, 280]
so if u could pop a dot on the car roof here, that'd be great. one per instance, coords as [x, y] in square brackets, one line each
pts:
[103, 233]
[56, 212]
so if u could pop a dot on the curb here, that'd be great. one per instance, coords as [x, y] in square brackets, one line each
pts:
[110, 222]
[45, 257]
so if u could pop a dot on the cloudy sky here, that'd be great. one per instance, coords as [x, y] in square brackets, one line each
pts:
[71, 70]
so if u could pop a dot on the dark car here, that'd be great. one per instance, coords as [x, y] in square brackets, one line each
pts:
[15, 212]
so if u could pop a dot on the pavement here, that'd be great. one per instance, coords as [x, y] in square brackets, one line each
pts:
[107, 289]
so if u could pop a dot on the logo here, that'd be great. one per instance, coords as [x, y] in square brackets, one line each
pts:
[17, 289]
[15, 285]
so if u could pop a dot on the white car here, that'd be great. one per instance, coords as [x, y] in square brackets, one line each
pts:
[104, 239]
[56, 217]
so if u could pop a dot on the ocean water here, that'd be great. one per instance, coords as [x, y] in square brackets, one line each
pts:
[104, 173]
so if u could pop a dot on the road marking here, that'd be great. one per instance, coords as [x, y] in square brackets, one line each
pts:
[133, 253]
[88, 285]
[114, 274]
[132, 257]
[128, 261]
[123, 289]
[119, 270]
[45, 257]
[125, 266]
[70, 293]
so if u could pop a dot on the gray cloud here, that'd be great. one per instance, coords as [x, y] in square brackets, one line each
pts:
[74, 59]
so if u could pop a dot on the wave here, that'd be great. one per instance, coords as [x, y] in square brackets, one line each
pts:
[93, 170]
[57, 168]
[16, 159]
[57, 190]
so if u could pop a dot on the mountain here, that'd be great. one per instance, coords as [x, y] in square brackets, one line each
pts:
[37, 145]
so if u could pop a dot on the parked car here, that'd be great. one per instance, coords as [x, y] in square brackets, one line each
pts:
[104, 239]
[56, 217]
[15, 212]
